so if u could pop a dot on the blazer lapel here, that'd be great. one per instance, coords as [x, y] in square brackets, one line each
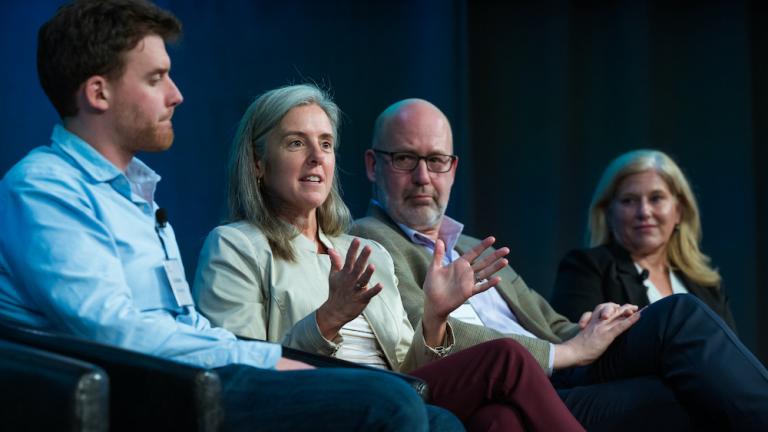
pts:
[628, 277]
[705, 294]
[515, 300]
[509, 294]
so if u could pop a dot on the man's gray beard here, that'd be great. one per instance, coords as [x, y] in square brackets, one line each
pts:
[418, 220]
[413, 219]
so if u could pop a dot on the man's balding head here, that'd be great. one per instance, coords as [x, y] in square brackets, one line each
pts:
[410, 116]
[416, 198]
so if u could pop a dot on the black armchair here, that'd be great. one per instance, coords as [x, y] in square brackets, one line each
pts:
[147, 393]
[44, 391]
[151, 393]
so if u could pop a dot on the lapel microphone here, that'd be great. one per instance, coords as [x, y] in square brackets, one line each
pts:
[161, 220]
[161, 217]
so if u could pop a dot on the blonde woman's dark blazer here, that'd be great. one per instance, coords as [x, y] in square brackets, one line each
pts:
[588, 277]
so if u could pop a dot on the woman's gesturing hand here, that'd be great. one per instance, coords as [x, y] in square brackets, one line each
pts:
[348, 288]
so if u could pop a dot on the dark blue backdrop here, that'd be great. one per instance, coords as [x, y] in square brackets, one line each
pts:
[541, 96]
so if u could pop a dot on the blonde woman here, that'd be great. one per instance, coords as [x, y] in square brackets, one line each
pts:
[644, 229]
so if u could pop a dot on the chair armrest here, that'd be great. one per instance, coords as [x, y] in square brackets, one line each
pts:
[45, 391]
[147, 392]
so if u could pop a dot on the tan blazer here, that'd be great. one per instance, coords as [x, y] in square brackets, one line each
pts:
[242, 287]
[411, 263]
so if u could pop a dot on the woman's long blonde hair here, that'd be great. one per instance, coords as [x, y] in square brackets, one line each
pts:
[683, 250]
[247, 198]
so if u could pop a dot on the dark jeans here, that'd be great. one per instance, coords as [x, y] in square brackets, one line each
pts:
[679, 367]
[325, 400]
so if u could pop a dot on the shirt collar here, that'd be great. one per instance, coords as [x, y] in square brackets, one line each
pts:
[450, 231]
[142, 179]
[677, 285]
[90, 160]
[304, 243]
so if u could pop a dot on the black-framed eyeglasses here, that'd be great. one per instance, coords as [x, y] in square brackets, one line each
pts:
[405, 161]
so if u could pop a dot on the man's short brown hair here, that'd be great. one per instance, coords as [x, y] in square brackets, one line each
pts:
[90, 37]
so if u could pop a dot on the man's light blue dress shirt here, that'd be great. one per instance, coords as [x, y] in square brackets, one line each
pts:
[79, 254]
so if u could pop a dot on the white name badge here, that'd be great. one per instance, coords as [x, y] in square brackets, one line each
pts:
[179, 285]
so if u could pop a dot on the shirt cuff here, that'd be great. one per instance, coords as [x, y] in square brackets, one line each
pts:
[334, 344]
[551, 365]
[263, 355]
[445, 348]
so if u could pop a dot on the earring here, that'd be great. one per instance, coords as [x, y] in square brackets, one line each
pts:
[258, 182]
[677, 228]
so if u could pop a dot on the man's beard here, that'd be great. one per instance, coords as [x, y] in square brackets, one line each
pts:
[155, 138]
[422, 217]
[415, 217]
[149, 137]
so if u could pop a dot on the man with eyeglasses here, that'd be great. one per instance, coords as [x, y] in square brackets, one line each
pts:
[673, 366]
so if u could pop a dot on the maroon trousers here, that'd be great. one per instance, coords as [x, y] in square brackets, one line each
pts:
[497, 385]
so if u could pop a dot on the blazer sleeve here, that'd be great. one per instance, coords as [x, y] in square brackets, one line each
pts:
[231, 289]
[305, 335]
[228, 284]
[578, 285]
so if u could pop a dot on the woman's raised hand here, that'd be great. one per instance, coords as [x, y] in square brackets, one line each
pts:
[349, 292]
